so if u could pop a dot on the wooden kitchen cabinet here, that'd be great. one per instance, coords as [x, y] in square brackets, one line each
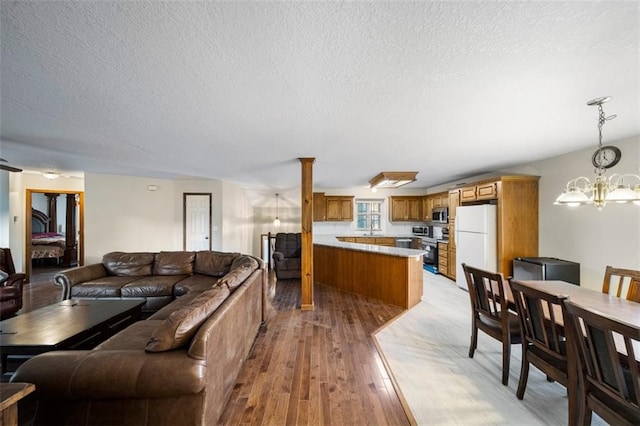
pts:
[332, 208]
[319, 211]
[405, 208]
[454, 202]
[443, 258]
[338, 208]
[385, 241]
[380, 241]
[516, 199]
[451, 271]
[427, 207]
[430, 201]
[479, 192]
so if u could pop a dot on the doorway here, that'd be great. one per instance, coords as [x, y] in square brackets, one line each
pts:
[54, 231]
[197, 216]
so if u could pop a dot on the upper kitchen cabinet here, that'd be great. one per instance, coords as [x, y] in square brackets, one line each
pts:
[479, 192]
[338, 208]
[406, 208]
[430, 201]
[319, 210]
[332, 208]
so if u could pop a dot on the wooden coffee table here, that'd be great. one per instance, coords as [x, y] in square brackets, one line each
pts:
[71, 324]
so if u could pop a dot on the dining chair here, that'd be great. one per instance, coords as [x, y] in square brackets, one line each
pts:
[490, 313]
[543, 338]
[622, 283]
[611, 381]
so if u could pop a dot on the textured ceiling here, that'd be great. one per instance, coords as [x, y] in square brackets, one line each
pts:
[239, 90]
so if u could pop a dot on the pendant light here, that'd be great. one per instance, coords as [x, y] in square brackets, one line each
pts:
[276, 221]
[602, 190]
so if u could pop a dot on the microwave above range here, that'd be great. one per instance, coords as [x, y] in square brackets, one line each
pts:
[429, 231]
[440, 214]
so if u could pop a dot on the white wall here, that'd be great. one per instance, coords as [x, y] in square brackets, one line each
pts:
[122, 214]
[237, 221]
[584, 234]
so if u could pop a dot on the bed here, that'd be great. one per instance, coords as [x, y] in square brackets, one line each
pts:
[45, 245]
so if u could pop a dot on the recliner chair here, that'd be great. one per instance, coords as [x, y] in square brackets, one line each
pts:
[10, 287]
[286, 256]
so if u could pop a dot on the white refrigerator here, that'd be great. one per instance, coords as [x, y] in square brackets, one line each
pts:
[476, 239]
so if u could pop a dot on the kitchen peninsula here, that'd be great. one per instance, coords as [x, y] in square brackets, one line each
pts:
[392, 275]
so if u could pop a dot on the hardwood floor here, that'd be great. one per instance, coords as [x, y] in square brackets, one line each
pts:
[40, 291]
[317, 367]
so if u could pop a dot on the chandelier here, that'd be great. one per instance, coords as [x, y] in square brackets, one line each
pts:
[615, 189]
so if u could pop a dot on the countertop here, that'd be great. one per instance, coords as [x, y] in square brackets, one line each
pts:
[331, 241]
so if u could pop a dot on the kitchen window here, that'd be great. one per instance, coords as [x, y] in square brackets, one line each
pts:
[369, 214]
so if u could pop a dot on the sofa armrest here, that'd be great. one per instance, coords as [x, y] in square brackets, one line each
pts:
[113, 374]
[15, 280]
[70, 277]
[277, 256]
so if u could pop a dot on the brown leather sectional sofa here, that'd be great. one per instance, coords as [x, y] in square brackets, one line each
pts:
[157, 277]
[178, 367]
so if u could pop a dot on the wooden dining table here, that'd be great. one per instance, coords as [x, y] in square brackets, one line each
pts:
[615, 307]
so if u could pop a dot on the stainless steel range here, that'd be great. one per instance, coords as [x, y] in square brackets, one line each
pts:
[430, 246]
[429, 236]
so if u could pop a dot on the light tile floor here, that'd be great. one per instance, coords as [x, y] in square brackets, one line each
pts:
[427, 351]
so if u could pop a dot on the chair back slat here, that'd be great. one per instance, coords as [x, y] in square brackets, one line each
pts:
[538, 318]
[487, 292]
[622, 283]
[610, 369]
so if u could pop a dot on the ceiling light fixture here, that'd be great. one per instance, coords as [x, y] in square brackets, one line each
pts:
[613, 189]
[51, 175]
[276, 221]
[392, 179]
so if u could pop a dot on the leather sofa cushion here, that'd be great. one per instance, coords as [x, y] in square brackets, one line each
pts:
[134, 337]
[176, 304]
[193, 283]
[102, 287]
[177, 330]
[241, 268]
[155, 285]
[214, 263]
[128, 264]
[173, 263]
